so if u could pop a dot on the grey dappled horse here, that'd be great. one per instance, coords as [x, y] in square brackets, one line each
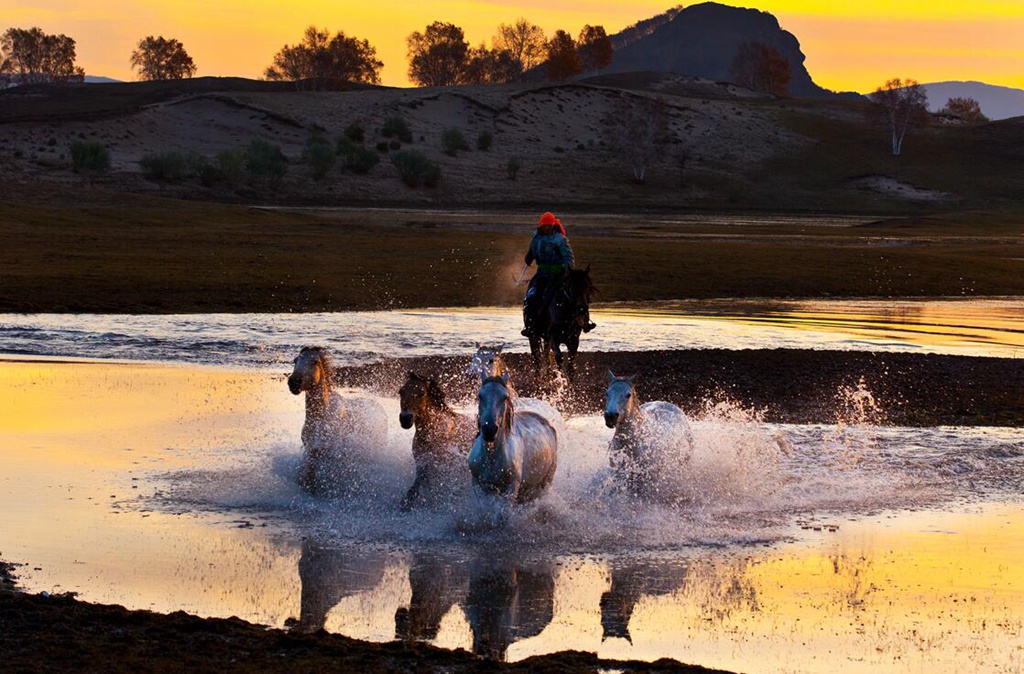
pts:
[441, 438]
[336, 428]
[515, 453]
[650, 439]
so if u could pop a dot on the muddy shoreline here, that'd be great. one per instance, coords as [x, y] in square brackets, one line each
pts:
[778, 385]
[57, 633]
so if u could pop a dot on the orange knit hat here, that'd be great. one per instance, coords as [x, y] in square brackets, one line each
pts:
[547, 218]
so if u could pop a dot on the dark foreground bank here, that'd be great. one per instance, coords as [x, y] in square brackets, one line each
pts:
[781, 385]
[60, 634]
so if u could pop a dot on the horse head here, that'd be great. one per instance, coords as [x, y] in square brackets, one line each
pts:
[580, 286]
[312, 368]
[620, 399]
[494, 412]
[487, 361]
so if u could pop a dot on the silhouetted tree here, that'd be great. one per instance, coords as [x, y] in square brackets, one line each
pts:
[437, 56]
[966, 108]
[636, 128]
[489, 66]
[563, 61]
[157, 58]
[320, 60]
[524, 41]
[761, 67]
[901, 104]
[30, 56]
[595, 48]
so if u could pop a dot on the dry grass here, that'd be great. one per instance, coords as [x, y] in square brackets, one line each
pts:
[159, 255]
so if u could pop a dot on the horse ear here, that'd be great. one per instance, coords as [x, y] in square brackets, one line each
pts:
[504, 378]
[611, 377]
[483, 375]
[477, 345]
[587, 270]
[500, 347]
[631, 379]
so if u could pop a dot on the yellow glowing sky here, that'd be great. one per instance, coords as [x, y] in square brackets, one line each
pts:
[849, 45]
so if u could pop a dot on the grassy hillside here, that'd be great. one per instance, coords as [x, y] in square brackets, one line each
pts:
[729, 148]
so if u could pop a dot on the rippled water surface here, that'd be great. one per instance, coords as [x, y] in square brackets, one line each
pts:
[820, 548]
[989, 327]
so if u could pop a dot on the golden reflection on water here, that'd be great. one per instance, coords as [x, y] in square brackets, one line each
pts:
[79, 442]
[997, 324]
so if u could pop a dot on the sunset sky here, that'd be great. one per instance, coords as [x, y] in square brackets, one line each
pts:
[849, 45]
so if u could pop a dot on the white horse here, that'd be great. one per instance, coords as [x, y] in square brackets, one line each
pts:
[515, 454]
[335, 427]
[649, 438]
[487, 362]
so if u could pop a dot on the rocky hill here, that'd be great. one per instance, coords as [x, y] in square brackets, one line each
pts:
[702, 40]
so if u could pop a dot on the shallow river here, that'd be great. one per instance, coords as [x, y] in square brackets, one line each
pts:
[819, 548]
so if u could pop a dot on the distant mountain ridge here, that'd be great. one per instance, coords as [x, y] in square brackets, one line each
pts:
[702, 40]
[997, 102]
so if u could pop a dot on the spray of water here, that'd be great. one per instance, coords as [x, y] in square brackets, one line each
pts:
[738, 479]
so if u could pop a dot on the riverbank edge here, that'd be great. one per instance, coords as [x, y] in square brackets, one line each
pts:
[58, 633]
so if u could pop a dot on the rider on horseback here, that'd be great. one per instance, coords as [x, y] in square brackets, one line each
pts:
[550, 248]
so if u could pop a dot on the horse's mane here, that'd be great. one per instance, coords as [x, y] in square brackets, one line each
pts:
[508, 389]
[322, 354]
[434, 392]
[578, 278]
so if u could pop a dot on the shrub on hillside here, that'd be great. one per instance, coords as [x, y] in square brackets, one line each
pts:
[319, 155]
[88, 157]
[484, 141]
[231, 164]
[512, 167]
[396, 127]
[355, 132]
[170, 166]
[415, 168]
[361, 160]
[452, 141]
[263, 159]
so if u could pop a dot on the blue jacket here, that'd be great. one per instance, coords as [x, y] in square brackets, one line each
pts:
[550, 250]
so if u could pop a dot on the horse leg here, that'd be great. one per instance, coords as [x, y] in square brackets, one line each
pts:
[536, 351]
[572, 345]
[412, 496]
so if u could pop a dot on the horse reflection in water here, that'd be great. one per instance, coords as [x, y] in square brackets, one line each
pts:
[504, 601]
[328, 575]
[631, 582]
[651, 440]
[515, 453]
[438, 583]
[507, 602]
[440, 443]
[336, 429]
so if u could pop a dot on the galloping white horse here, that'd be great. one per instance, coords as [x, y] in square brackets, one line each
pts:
[649, 438]
[515, 454]
[334, 427]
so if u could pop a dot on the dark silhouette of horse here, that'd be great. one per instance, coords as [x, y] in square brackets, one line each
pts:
[630, 583]
[562, 317]
[438, 583]
[329, 574]
[442, 438]
[507, 602]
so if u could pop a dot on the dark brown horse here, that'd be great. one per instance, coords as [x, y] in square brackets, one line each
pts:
[561, 321]
[442, 439]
